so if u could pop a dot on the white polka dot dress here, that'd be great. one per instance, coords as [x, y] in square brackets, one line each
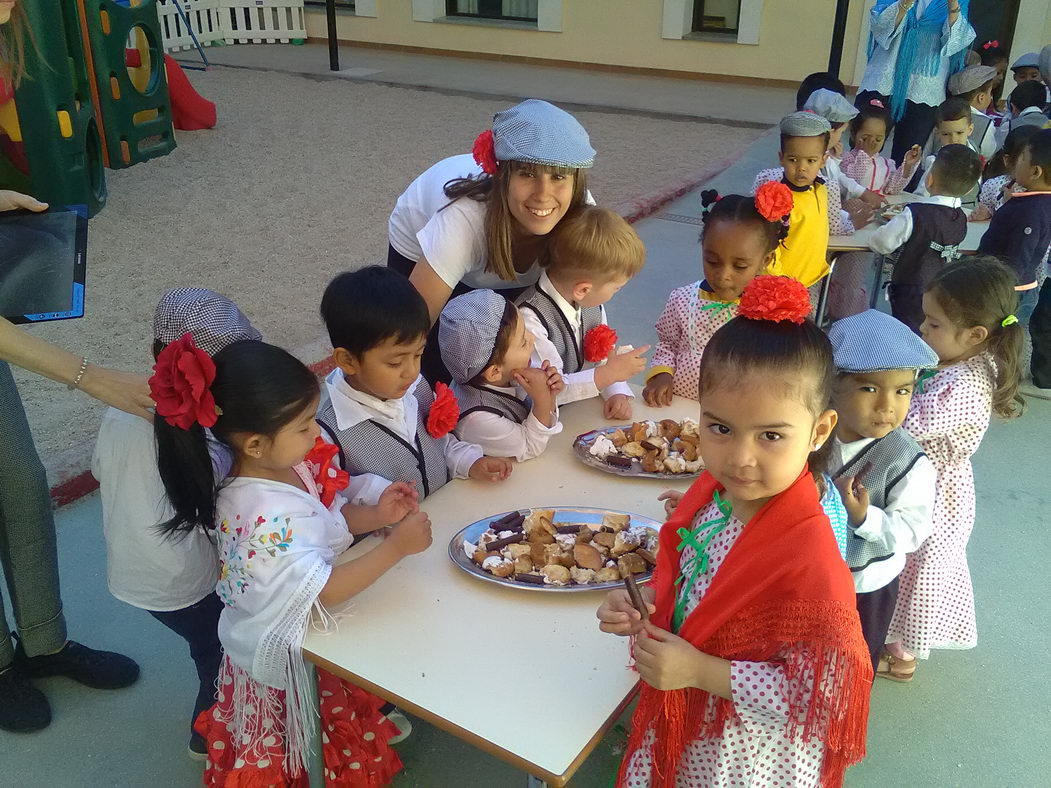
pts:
[754, 749]
[948, 418]
[683, 331]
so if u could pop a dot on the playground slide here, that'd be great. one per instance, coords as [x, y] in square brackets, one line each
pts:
[190, 110]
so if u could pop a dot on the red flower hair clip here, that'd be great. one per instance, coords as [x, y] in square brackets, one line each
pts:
[485, 153]
[775, 298]
[329, 479]
[181, 385]
[877, 103]
[773, 201]
[444, 413]
[599, 343]
[991, 44]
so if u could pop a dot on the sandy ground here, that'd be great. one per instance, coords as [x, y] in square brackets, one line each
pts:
[294, 185]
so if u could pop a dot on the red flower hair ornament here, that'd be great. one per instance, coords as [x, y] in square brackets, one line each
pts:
[599, 343]
[775, 298]
[444, 413]
[484, 152]
[181, 385]
[329, 480]
[773, 201]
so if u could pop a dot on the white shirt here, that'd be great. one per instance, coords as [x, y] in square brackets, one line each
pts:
[400, 416]
[144, 568]
[902, 525]
[923, 89]
[579, 385]
[502, 437]
[893, 235]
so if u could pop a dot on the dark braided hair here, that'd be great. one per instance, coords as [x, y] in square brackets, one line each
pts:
[738, 208]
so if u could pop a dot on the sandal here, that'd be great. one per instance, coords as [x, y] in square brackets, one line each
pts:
[900, 670]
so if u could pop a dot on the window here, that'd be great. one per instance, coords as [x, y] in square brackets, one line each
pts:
[347, 5]
[513, 10]
[716, 16]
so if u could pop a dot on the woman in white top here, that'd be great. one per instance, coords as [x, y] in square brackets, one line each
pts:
[915, 45]
[464, 225]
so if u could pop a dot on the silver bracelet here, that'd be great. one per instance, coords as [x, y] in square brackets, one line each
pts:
[80, 375]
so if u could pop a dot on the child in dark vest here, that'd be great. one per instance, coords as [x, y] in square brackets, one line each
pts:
[886, 481]
[380, 412]
[593, 254]
[507, 406]
[926, 235]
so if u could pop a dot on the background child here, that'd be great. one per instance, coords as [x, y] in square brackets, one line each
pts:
[592, 255]
[869, 131]
[804, 149]
[954, 126]
[970, 323]
[1027, 107]
[925, 235]
[992, 54]
[278, 541]
[754, 668]
[886, 481]
[816, 81]
[737, 244]
[507, 407]
[999, 174]
[379, 407]
[975, 86]
[1026, 68]
[172, 579]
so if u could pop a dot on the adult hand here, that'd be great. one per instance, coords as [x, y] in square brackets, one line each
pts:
[12, 201]
[125, 391]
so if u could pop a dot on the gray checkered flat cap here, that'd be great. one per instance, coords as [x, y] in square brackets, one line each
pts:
[213, 320]
[467, 330]
[971, 78]
[831, 106]
[541, 133]
[1045, 64]
[804, 124]
[872, 341]
[1028, 60]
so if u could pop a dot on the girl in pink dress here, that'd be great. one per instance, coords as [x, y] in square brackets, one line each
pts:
[737, 244]
[970, 323]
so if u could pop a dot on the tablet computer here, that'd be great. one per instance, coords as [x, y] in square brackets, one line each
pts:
[42, 263]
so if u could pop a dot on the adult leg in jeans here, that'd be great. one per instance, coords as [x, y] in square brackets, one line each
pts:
[27, 535]
[914, 128]
[1040, 331]
[198, 625]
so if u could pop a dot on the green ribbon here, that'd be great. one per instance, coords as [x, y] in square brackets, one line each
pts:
[699, 563]
[925, 375]
[718, 306]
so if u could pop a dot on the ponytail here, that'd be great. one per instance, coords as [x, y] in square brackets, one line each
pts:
[257, 389]
[768, 211]
[979, 291]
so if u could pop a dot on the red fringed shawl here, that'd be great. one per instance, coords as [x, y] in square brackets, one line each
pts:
[783, 584]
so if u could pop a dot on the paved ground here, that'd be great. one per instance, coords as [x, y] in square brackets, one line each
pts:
[974, 719]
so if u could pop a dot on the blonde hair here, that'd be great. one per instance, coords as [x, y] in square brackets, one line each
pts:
[499, 223]
[595, 242]
[12, 46]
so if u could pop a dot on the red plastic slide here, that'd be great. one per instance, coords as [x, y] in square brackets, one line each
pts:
[190, 110]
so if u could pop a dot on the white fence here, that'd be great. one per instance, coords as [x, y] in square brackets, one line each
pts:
[230, 22]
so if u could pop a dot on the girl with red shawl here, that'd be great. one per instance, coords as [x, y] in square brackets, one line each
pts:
[753, 664]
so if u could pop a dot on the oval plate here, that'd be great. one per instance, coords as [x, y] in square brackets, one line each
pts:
[563, 514]
[582, 443]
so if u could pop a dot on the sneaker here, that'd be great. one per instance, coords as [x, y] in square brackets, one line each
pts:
[23, 708]
[401, 722]
[197, 748]
[96, 669]
[1033, 390]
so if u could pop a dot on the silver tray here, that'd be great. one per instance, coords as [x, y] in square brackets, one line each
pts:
[563, 514]
[581, 444]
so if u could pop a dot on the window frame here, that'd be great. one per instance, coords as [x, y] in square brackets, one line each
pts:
[450, 12]
[698, 21]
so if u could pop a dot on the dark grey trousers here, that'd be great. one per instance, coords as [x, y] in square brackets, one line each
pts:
[28, 551]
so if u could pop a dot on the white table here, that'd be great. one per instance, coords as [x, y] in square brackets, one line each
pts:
[523, 675]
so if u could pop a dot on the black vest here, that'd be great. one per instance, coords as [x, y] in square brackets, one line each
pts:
[370, 447]
[892, 457]
[559, 330]
[473, 397]
[937, 232]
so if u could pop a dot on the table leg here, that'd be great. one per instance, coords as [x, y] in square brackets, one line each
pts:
[534, 782]
[877, 281]
[822, 299]
[315, 759]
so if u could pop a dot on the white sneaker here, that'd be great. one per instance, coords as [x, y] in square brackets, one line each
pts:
[401, 722]
[1032, 390]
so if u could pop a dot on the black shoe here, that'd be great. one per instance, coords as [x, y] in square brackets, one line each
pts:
[198, 747]
[23, 708]
[96, 669]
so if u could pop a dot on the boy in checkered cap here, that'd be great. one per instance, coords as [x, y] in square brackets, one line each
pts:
[886, 481]
[172, 579]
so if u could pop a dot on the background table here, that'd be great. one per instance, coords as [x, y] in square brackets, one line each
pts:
[859, 241]
[524, 675]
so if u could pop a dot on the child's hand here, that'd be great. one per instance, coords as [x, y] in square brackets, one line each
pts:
[412, 535]
[491, 469]
[621, 366]
[1006, 192]
[555, 383]
[666, 661]
[534, 380]
[671, 500]
[618, 616]
[855, 498]
[860, 214]
[658, 391]
[872, 199]
[617, 408]
[981, 213]
[912, 158]
[399, 500]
